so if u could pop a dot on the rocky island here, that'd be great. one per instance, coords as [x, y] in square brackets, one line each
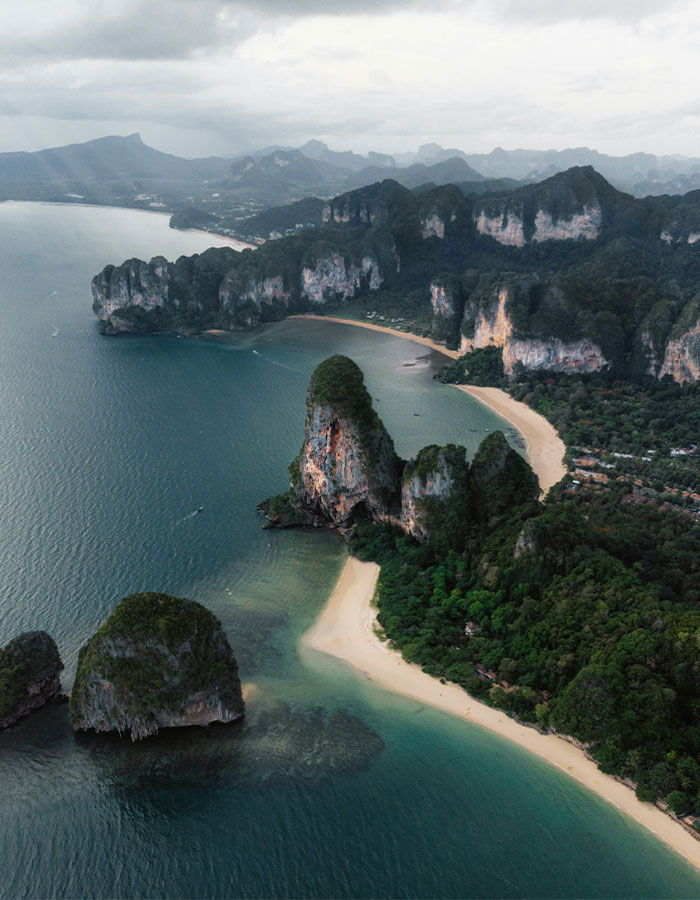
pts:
[30, 668]
[157, 662]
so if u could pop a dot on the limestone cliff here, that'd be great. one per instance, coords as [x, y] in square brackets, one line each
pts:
[447, 303]
[157, 662]
[507, 226]
[224, 289]
[347, 468]
[681, 358]
[134, 283]
[433, 226]
[434, 486]
[30, 668]
[330, 278]
[488, 323]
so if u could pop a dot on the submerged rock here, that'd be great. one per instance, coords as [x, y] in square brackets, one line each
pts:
[276, 745]
[30, 667]
[157, 662]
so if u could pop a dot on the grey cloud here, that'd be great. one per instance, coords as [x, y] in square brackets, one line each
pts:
[165, 29]
[180, 29]
[135, 30]
[542, 11]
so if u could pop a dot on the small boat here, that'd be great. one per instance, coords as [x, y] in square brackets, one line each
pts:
[198, 510]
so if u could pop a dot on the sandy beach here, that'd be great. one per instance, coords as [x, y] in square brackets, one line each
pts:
[345, 629]
[545, 449]
[426, 342]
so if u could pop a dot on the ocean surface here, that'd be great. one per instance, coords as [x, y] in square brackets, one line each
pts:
[332, 787]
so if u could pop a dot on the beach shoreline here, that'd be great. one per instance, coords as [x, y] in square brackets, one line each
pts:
[545, 449]
[370, 326]
[243, 245]
[345, 629]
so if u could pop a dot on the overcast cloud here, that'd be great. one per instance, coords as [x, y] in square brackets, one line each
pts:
[218, 76]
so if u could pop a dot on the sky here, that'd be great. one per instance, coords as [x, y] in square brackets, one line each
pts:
[203, 77]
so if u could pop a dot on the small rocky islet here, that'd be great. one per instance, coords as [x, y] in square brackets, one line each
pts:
[157, 662]
[30, 669]
[347, 470]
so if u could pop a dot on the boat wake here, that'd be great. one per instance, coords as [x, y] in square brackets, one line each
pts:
[275, 362]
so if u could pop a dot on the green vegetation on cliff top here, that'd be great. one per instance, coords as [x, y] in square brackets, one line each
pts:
[156, 651]
[339, 382]
[26, 660]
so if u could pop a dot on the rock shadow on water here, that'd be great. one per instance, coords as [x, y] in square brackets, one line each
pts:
[272, 746]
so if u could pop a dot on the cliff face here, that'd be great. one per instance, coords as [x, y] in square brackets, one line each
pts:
[242, 302]
[347, 468]
[157, 662]
[446, 300]
[505, 227]
[30, 668]
[133, 284]
[489, 321]
[508, 226]
[225, 289]
[682, 357]
[331, 278]
[432, 226]
[433, 481]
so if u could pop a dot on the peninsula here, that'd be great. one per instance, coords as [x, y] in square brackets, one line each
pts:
[532, 609]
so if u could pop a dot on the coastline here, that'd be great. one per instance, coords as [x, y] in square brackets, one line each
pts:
[545, 449]
[154, 212]
[426, 342]
[345, 629]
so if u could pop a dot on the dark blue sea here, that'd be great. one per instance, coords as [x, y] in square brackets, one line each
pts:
[332, 787]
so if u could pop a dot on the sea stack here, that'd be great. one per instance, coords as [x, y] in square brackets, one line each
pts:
[347, 469]
[30, 667]
[157, 662]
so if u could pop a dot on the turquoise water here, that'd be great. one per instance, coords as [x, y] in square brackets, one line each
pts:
[332, 787]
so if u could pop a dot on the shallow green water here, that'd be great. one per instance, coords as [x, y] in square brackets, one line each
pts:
[332, 787]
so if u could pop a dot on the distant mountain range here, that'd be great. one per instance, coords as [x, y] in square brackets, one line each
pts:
[219, 193]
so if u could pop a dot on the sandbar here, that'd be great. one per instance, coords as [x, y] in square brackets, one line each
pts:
[346, 629]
